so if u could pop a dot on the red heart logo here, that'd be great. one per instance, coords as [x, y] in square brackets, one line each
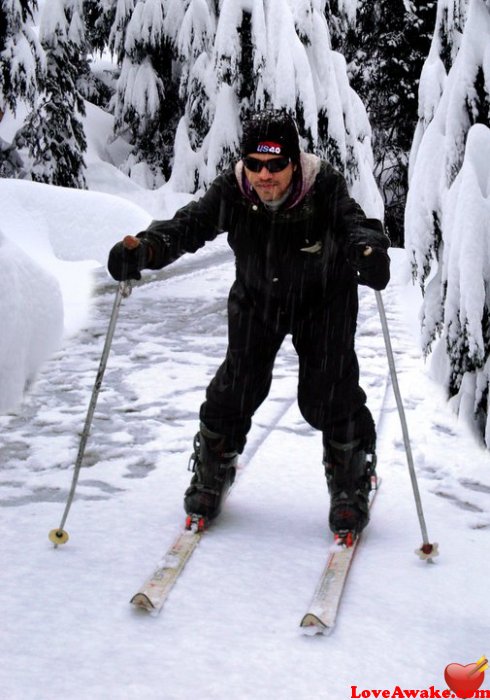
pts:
[463, 680]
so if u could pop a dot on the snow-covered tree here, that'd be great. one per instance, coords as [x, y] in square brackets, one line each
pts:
[385, 48]
[147, 102]
[97, 78]
[21, 55]
[446, 40]
[21, 62]
[122, 14]
[342, 17]
[448, 217]
[192, 25]
[53, 132]
[267, 53]
[99, 19]
[451, 16]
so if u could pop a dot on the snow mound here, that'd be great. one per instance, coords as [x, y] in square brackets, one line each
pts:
[73, 224]
[31, 310]
[52, 239]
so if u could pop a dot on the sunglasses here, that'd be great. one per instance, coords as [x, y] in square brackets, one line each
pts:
[274, 165]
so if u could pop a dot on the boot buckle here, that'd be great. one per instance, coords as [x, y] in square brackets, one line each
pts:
[192, 464]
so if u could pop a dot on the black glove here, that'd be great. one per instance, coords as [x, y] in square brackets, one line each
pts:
[362, 243]
[357, 253]
[127, 258]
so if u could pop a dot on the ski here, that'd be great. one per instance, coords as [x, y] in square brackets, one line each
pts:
[156, 589]
[322, 612]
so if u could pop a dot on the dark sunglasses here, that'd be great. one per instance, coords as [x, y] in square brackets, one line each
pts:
[274, 165]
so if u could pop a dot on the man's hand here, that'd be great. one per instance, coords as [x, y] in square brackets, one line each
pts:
[357, 252]
[128, 258]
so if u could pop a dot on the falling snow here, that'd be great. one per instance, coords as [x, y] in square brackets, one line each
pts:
[230, 626]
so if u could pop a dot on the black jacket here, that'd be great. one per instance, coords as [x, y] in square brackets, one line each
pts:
[299, 252]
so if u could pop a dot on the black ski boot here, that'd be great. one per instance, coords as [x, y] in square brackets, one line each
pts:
[214, 465]
[350, 473]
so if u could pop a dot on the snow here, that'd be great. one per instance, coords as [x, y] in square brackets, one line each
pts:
[182, 178]
[53, 24]
[20, 49]
[140, 87]
[230, 626]
[53, 239]
[447, 216]
[193, 29]
[31, 327]
[23, 62]
[224, 131]
[293, 63]
[349, 9]
[76, 32]
[226, 45]
[123, 13]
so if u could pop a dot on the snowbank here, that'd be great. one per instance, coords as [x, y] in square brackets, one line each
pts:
[31, 309]
[52, 239]
[75, 225]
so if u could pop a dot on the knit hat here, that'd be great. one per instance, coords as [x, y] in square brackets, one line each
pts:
[271, 131]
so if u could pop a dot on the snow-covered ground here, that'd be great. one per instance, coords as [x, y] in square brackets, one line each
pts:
[230, 626]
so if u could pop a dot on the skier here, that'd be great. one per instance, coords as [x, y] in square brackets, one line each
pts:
[302, 246]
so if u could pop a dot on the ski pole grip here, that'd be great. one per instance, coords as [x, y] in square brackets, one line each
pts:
[131, 242]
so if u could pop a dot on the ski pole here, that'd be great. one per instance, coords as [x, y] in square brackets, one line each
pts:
[59, 535]
[427, 550]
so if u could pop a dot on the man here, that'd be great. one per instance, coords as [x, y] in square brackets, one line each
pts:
[302, 246]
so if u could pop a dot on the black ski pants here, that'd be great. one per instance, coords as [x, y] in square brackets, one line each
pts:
[329, 395]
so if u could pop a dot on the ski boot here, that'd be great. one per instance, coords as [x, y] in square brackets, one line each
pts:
[350, 473]
[214, 465]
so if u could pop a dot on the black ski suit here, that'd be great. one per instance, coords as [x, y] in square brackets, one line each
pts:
[293, 276]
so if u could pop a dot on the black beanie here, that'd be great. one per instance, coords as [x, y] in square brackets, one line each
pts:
[271, 131]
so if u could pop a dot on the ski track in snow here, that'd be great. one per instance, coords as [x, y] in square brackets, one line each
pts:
[230, 625]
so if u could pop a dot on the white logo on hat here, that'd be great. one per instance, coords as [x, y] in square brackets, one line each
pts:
[269, 147]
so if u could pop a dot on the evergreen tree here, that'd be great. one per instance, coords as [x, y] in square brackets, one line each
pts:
[447, 217]
[446, 40]
[53, 132]
[385, 50]
[192, 27]
[342, 17]
[99, 16]
[451, 16]
[267, 53]
[147, 102]
[21, 61]
[122, 14]
[21, 55]
[99, 19]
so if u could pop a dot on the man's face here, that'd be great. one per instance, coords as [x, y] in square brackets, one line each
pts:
[269, 186]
